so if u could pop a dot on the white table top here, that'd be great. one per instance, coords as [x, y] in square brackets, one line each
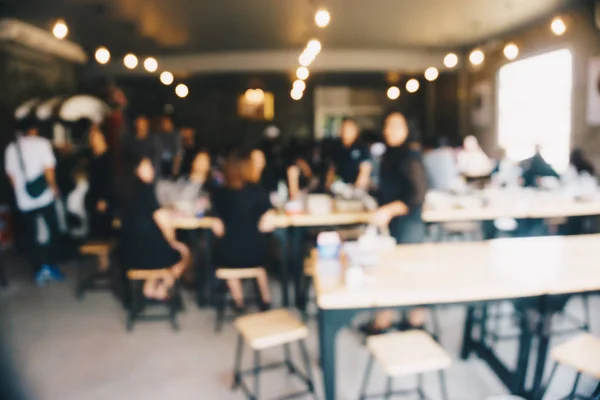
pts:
[462, 272]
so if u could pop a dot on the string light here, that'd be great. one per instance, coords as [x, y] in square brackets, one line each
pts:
[412, 85]
[296, 94]
[322, 18]
[60, 29]
[558, 26]
[431, 74]
[313, 47]
[393, 92]
[302, 73]
[182, 90]
[451, 60]
[305, 59]
[102, 55]
[511, 51]
[130, 61]
[476, 57]
[166, 78]
[151, 64]
[299, 85]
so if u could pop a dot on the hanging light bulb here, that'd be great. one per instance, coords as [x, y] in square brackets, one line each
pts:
[412, 85]
[313, 47]
[102, 55]
[151, 64]
[299, 85]
[296, 94]
[302, 73]
[166, 78]
[476, 57]
[182, 90]
[511, 51]
[558, 26]
[431, 74]
[130, 61]
[60, 29]
[451, 60]
[305, 59]
[322, 18]
[393, 92]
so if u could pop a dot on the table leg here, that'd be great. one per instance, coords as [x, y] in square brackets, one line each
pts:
[525, 341]
[544, 332]
[204, 276]
[330, 322]
[467, 345]
[284, 268]
[297, 265]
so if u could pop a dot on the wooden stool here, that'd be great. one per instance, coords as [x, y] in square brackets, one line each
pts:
[223, 274]
[581, 353]
[137, 301]
[91, 280]
[266, 330]
[406, 353]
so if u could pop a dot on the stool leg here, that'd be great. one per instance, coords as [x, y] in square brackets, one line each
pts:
[420, 387]
[388, 388]
[436, 323]
[288, 359]
[173, 308]
[586, 312]
[306, 360]
[543, 389]
[132, 305]
[221, 304]
[256, 375]
[79, 279]
[443, 387]
[365, 384]
[237, 377]
[572, 394]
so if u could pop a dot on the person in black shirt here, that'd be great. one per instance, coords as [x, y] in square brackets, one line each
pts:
[99, 200]
[300, 167]
[147, 238]
[190, 149]
[350, 158]
[244, 214]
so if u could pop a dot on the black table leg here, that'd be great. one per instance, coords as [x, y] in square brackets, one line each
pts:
[467, 345]
[203, 275]
[284, 268]
[544, 332]
[525, 341]
[330, 322]
[297, 266]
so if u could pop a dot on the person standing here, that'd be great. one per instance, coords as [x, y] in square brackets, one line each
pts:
[171, 148]
[30, 165]
[350, 158]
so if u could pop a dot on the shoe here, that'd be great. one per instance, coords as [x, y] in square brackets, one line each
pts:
[43, 276]
[55, 273]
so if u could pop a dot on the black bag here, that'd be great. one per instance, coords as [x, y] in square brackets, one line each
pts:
[38, 185]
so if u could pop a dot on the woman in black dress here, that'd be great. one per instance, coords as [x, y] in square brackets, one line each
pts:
[99, 200]
[148, 238]
[243, 215]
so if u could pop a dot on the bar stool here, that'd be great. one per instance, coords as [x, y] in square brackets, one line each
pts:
[92, 280]
[581, 353]
[266, 330]
[137, 301]
[406, 353]
[223, 274]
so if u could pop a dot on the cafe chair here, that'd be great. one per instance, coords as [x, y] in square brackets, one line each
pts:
[93, 279]
[406, 353]
[222, 275]
[582, 353]
[138, 303]
[267, 330]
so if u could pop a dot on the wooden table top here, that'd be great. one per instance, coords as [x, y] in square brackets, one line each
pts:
[445, 273]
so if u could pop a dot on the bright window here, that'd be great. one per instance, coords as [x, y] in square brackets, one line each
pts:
[534, 107]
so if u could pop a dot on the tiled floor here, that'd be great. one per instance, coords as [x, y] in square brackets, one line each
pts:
[69, 350]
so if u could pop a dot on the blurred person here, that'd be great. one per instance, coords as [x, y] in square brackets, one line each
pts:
[190, 149]
[350, 158]
[255, 168]
[472, 161]
[143, 143]
[300, 170]
[579, 225]
[148, 239]
[580, 162]
[171, 149]
[536, 168]
[30, 166]
[402, 189]
[99, 200]
[441, 167]
[507, 172]
[243, 215]
[274, 170]
[200, 172]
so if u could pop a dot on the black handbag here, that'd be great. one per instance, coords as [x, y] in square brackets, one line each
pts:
[38, 185]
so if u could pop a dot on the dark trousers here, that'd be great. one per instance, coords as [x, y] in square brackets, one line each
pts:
[408, 228]
[41, 253]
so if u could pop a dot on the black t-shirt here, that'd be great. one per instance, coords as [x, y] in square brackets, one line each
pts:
[402, 177]
[243, 245]
[347, 160]
[101, 180]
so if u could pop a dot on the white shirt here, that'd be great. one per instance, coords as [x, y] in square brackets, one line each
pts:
[37, 156]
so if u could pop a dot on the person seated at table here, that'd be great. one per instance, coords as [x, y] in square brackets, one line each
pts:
[255, 167]
[535, 168]
[147, 240]
[200, 172]
[243, 215]
[402, 189]
[350, 158]
[300, 171]
[472, 161]
[100, 199]
[441, 167]
[580, 165]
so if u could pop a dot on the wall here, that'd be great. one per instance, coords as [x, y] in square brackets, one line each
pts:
[583, 39]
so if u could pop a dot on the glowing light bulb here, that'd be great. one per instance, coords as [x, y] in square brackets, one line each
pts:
[299, 85]
[558, 26]
[322, 18]
[393, 93]
[166, 78]
[60, 29]
[451, 60]
[313, 47]
[182, 90]
[412, 85]
[302, 73]
[476, 57]
[511, 51]
[102, 55]
[305, 59]
[431, 74]
[151, 64]
[130, 61]
[296, 94]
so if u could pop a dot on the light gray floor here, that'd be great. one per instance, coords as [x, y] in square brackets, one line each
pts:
[69, 350]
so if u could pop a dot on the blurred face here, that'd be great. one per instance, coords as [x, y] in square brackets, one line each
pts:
[97, 141]
[349, 133]
[470, 143]
[166, 125]
[395, 129]
[188, 136]
[201, 163]
[257, 158]
[142, 126]
[145, 171]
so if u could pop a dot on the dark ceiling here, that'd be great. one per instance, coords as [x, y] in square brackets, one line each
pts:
[174, 26]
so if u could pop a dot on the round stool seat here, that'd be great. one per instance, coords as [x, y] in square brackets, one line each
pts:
[96, 248]
[581, 353]
[239, 273]
[270, 329]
